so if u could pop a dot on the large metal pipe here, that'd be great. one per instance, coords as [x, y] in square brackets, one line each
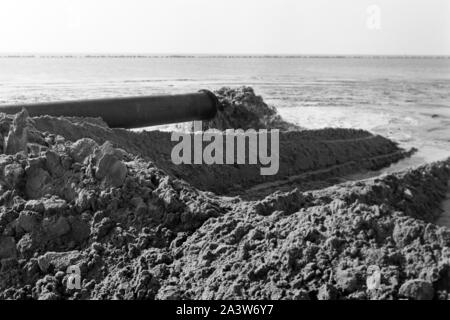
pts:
[130, 112]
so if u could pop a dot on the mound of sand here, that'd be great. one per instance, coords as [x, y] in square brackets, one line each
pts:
[243, 109]
[304, 155]
[75, 192]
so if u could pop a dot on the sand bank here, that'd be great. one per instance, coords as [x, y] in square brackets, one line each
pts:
[410, 126]
[75, 192]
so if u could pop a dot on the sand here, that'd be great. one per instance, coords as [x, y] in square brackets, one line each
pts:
[444, 210]
[410, 126]
[109, 201]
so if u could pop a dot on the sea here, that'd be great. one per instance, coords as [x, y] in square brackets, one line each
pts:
[404, 98]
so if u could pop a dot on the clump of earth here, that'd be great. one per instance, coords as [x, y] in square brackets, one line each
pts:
[74, 192]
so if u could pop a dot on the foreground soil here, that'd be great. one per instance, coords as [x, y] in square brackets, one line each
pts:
[110, 201]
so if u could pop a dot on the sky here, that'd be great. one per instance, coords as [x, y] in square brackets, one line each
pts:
[412, 27]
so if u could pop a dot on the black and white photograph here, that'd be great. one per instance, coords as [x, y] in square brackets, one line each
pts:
[224, 154]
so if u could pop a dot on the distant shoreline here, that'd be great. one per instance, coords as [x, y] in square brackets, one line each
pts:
[215, 56]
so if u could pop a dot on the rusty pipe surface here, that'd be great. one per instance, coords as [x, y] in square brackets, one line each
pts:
[130, 112]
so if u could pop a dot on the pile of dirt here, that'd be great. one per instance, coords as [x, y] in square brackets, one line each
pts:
[74, 192]
[305, 155]
[243, 109]
[323, 244]
[65, 203]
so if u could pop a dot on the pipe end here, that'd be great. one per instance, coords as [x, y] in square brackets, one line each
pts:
[214, 98]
